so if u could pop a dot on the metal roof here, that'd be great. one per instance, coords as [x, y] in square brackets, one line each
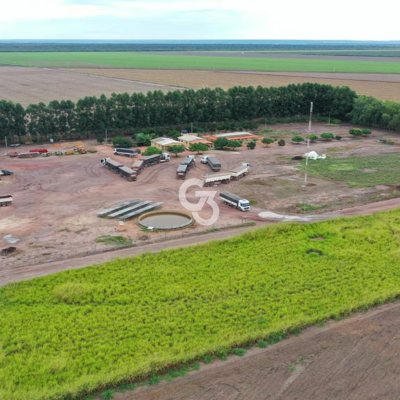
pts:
[141, 211]
[126, 210]
[110, 210]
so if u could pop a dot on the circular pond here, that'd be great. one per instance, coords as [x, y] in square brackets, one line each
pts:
[165, 220]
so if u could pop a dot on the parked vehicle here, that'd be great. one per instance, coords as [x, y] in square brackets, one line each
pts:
[41, 151]
[58, 153]
[6, 172]
[15, 145]
[12, 154]
[240, 171]
[69, 153]
[189, 161]
[139, 165]
[181, 171]
[233, 200]
[31, 154]
[111, 164]
[127, 173]
[126, 152]
[6, 200]
[80, 150]
[212, 162]
[210, 180]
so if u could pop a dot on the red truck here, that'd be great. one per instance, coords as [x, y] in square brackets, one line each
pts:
[12, 154]
[41, 151]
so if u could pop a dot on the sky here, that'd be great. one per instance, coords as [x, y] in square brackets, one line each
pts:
[200, 19]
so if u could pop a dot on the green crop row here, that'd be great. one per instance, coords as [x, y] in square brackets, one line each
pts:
[65, 335]
[362, 171]
[157, 61]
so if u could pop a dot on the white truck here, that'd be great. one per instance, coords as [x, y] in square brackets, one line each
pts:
[214, 164]
[240, 171]
[235, 201]
[126, 152]
[6, 200]
[214, 179]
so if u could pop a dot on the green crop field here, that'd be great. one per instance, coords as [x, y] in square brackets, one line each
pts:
[139, 60]
[360, 171]
[66, 334]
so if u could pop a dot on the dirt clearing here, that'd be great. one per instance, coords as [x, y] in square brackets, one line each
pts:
[385, 87]
[35, 85]
[348, 360]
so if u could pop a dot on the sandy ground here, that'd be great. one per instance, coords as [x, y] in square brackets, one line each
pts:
[34, 85]
[386, 87]
[56, 199]
[270, 54]
[352, 359]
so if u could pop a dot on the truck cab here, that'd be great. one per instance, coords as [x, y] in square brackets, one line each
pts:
[243, 205]
[165, 157]
[203, 159]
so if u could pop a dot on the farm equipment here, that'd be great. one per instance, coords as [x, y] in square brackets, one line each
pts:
[6, 172]
[235, 201]
[31, 154]
[40, 151]
[80, 150]
[6, 200]
[69, 153]
[12, 154]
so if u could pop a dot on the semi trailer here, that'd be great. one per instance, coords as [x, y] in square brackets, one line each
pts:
[240, 171]
[127, 173]
[181, 171]
[233, 200]
[119, 169]
[188, 161]
[126, 152]
[6, 200]
[30, 154]
[139, 165]
[111, 164]
[210, 180]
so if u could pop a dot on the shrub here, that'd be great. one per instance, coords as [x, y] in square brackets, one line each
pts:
[144, 139]
[100, 139]
[251, 145]
[366, 131]
[338, 137]
[297, 139]
[267, 141]
[281, 142]
[151, 151]
[356, 132]
[239, 352]
[108, 395]
[327, 136]
[120, 141]
[199, 147]
[312, 137]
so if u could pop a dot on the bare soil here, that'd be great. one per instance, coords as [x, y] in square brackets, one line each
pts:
[382, 86]
[34, 85]
[56, 199]
[348, 360]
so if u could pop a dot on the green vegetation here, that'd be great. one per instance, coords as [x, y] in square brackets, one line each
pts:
[123, 142]
[281, 142]
[137, 60]
[359, 171]
[199, 147]
[179, 148]
[297, 139]
[67, 334]
[327, 136]
[252, 145]
[151, 150]
[114, 240]
[267, 141]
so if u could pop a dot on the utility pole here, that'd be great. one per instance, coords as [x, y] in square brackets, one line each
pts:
[191, 127]
[5, 138]
[305, 174]
[265, 123]
[310, 122]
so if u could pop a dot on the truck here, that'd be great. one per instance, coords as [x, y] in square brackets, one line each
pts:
[127, 173]
[214, 179]
[188, 161]
[139, 165]
[6, 200]
[126, 152]
[111, 164]
[212, 162]
[240, 171]
[41, 151]
[12, 154]
[181, 171]
[31, 154]
[233, 200]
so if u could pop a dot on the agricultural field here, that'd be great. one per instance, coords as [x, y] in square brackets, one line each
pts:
[381, 86]
[360, 171]
[70, 333]
[157, 61]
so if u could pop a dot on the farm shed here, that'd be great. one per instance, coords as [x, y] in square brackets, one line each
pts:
[187, 140]
[164, 143]
[246, 136]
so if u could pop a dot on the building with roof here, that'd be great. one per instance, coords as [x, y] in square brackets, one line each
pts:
[187, 140]
[164, 143]
[245, 136]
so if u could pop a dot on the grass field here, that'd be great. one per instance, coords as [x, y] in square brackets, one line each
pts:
[360, 171]
[69, 333]
[136, 60]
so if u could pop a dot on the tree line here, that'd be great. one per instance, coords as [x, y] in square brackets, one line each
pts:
[130, 113]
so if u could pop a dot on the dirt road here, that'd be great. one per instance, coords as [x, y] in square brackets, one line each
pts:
[348, 360]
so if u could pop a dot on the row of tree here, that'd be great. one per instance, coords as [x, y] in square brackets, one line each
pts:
[124, 113]
[376, 113]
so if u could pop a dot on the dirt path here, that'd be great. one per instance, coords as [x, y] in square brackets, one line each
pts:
[352, 359]
[13, 274]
